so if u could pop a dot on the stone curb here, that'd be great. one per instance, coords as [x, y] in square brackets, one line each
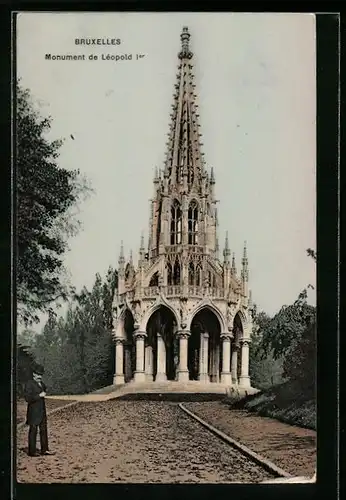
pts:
[21, 424]
[266, 464]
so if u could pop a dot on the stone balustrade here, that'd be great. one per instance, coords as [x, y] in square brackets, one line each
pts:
[177, 290]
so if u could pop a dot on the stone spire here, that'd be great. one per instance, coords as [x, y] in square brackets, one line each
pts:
[121, 260]
[141, 251]
[184, 165]
[121, 269]
[245, 271]
[234, 267]
[226, 252]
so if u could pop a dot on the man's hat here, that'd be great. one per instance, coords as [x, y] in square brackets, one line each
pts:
[38, 369]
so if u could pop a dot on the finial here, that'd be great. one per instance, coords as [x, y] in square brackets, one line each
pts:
[217, 248]
[185, 50]
[234, 268]
[226, 252]
[212, 176]
[245, 272]
[250, 299]
[121, 255]
[156, 176]
[226, 241]
[245, 261]
[142, 242]
[131, 258]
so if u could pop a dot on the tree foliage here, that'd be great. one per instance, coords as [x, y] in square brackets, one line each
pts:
[265, 370]
[46, 193]
[77, 350]
[285, 346]
[25, 364]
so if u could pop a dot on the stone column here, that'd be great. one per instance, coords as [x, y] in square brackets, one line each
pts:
[119, 362]
[183, 371]
[203, 358]
[244, 379]
[226, 377]
[139, 375]
[149, 363]
[234, 364]
[161, 360]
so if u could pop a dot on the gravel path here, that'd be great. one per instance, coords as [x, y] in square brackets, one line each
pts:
[133, 441]
[290, 447]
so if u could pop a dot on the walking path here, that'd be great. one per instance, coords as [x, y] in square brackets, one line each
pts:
[133, 441]
[290, 447]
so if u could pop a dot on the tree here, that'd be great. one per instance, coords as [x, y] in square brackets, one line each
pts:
[291, 335]
[46, 194]
[265, 370]
[25, 364]
[77, 351]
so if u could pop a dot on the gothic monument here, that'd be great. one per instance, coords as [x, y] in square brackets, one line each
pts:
[182, 314]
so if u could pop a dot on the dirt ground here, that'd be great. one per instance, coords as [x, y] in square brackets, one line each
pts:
[289, 447]
[133, 442]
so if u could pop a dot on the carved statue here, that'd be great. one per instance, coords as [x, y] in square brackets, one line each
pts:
[183, 312]
[137, 312]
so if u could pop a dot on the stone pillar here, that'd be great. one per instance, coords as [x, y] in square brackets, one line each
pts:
[183, 371]
[139, 375]
[234, 364]
[244, 379]
[203, 358]
[149, 363]
[119, 362]
[161, 360]
[226, 377]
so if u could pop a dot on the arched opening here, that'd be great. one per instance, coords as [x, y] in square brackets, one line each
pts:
[129, 347]
[154, 280]
[176, 272]
[169, 274]
[162, 349]
[191, 273]
[235, 348]
[193, 223]
[195, 271]
[209, 362]
[175, 223]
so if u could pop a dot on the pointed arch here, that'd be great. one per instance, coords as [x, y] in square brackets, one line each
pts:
[176, 223]
[241, 321]
[176, 272]
[198, 274]
[159, 303]
[193, 223]
[154, 280]
[192, 275]
[207, 304]
[169, 274]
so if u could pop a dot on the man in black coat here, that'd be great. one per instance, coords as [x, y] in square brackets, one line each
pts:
[35, 391]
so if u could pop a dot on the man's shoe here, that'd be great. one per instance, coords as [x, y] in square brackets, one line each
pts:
[48, 453]
[34, 455]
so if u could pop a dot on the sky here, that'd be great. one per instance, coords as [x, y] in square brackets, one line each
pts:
[256, 86]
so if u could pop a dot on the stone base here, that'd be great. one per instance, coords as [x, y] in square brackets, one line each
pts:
[118, 380]
[204, 378]
[183, 376]
[244, 381]
[149, 377]
[226, 378]
[139, 377]
[160, 377]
